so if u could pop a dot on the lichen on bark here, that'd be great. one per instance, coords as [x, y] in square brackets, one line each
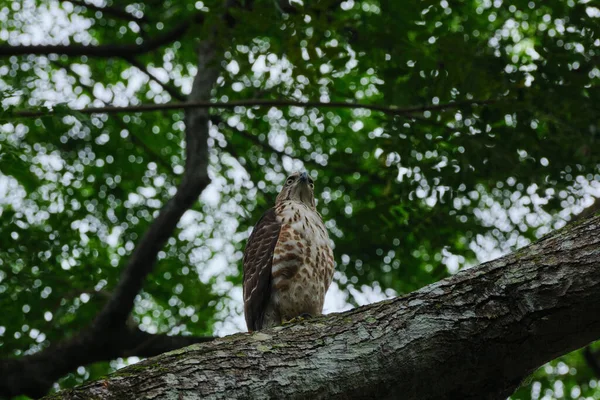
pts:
[482, 331]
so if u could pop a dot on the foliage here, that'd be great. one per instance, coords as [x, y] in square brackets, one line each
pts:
[408, 199]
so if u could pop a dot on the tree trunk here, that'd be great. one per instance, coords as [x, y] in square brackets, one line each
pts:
[476, 335]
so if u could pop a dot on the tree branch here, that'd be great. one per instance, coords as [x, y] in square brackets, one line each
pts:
[591, 358]
[113, 11]
[31, 375]
[217, 120]
[173, 91]
[586, 212]
[194, 181]
[150, 345]
[109, 336]
[132, 137]
[201, 104]
[483, 331]
[105, 50]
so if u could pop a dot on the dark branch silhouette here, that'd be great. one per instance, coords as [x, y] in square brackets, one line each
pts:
[113, 11]
[110, 336]
[133, 136]
[173, 91]
[390, 110]
[34, 375]
[104, 50]
[591, 358]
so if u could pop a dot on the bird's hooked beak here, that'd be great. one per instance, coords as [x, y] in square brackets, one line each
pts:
[302, 191]
[304, 177]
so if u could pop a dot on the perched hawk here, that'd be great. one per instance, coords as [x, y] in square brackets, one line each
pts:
[288, 262]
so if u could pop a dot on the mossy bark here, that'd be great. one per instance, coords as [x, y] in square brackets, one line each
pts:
[476, 335]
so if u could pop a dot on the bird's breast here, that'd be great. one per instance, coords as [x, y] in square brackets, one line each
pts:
[302, 266]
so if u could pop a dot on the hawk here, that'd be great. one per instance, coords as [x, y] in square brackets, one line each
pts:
[288, 262]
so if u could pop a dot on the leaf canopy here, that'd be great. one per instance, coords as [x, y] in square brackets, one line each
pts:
[408, 199]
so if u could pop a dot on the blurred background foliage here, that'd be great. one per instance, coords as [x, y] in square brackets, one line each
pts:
[408, 200]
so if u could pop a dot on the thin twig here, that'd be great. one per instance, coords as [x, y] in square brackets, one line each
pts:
[132, 137]
[173, 91]
[109, 10]
[104, 50]
[391, 110]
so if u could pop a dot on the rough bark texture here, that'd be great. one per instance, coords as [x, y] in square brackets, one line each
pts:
[476, 335]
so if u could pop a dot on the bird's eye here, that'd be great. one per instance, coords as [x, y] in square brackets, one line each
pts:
[289, 181]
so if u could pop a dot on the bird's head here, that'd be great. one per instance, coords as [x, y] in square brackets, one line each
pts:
[299, 186]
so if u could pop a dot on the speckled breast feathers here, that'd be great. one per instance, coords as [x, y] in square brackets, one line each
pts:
[288, 261]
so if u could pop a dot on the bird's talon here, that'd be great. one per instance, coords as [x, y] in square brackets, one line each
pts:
[299, 318]
[291, 228]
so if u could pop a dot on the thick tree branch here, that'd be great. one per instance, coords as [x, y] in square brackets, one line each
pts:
[144, 256]
[482, 331]
[109, 336]
[143, 344]
[104, 50]
[34, 375]
[194, 181]
[204, 104]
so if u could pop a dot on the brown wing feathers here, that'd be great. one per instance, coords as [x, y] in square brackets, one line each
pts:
[258, 259]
